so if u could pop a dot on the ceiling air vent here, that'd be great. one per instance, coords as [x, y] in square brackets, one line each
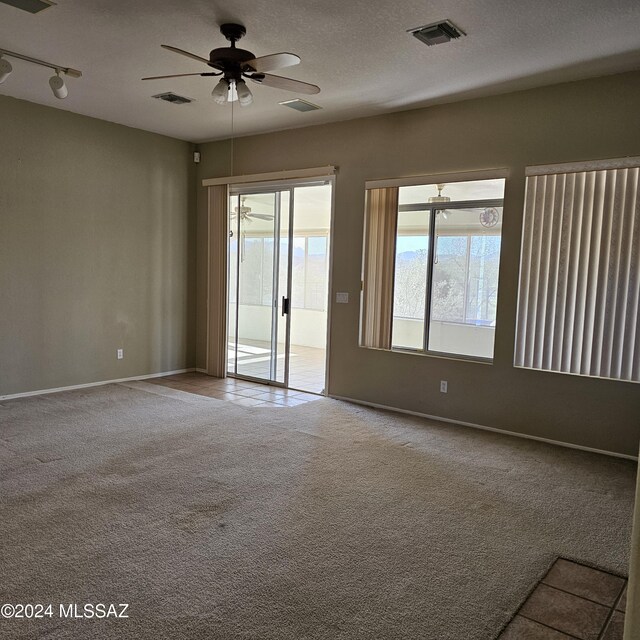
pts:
[32, 6]
[438, 32]
[300, 105]
[174, 98]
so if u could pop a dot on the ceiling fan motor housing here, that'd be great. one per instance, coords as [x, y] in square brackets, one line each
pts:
[230, 59]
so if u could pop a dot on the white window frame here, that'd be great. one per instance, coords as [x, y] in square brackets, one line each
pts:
[428, 180]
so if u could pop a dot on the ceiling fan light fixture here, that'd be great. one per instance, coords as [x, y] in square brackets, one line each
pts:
[439, 198]
[245, 97]
[233, 94]
[220, 91]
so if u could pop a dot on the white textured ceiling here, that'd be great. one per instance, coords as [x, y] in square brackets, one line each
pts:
[357, 51]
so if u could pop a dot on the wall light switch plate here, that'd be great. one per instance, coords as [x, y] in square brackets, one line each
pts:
[443, 386]
[120, 354]
[342, 297]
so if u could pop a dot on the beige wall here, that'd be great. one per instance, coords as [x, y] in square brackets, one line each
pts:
[576, 121]
[97, 233]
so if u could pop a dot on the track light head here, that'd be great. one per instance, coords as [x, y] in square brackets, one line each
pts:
[221, 91]
[245, 97]
[5, 69]
[58, 86]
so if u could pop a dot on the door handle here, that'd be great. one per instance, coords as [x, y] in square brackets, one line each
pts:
[285, 305]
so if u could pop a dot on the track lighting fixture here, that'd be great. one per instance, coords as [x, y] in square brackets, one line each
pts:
[56, 83]
[58, 86]
[5, 69]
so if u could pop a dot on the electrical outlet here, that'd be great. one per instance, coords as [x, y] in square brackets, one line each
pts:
[443, 386]
[120, 354]
[342, 297]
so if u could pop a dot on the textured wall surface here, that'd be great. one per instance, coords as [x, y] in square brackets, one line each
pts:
[97, 239]
[569, 122]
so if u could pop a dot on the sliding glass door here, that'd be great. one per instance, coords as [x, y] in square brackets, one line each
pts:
[278, 283]
[259, 284]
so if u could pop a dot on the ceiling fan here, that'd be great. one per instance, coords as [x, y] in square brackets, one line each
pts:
[246, 216]
[235, 64]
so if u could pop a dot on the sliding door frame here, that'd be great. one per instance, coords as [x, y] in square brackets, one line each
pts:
[279, 187]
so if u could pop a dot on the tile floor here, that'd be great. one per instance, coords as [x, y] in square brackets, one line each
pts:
[306, 364]
[241, 392]
[306, 368]
[572, 602]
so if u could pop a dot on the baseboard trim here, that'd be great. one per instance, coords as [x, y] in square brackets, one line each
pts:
[100, 383]
[473, 425]
[200, 370]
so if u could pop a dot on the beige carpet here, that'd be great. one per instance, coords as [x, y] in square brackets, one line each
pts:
[326, 520]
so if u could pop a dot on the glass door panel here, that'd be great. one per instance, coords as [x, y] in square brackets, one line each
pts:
[309, 287]
[232, 288]
[278, 284]
[254, 304]
[281, 319]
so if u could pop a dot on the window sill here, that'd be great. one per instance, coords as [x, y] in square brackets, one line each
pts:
[435, 354]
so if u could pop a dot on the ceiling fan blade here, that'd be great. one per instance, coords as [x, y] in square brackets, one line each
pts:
[177, 75]
[278, 82]
[273, 61]
[184, 53]
[261, 216]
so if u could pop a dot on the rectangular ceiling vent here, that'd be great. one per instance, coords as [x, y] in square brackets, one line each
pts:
[300, 105]
[438, 32]
[32, 6]
[173, 98]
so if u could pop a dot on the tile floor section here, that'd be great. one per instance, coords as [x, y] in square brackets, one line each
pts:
[572, 602]
[241, 392]
[306, 368]
[306, 364]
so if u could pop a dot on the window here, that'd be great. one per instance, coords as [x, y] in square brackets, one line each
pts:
[442, 244]
[578, 299]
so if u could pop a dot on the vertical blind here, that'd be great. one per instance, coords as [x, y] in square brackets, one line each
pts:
[381, 219]
[578, 300]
